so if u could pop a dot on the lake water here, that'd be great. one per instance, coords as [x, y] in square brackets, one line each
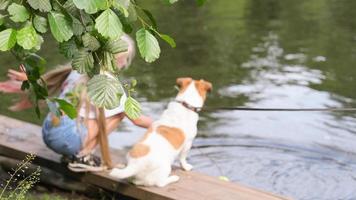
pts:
[257, 53]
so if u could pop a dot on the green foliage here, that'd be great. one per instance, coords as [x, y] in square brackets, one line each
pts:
[18, 12]
[105, 91]
[42, 5]
[88, 32]
[18, 184]
[40, 24]
[1, 19]
[67, 108]
[83, 61]
[168, 39]
[132, 108]
[122, 5]
[27, 37]
[148, 45]
[4, 4]
[108, 24]
[68, 48]
[91, 6]
[200, 2]
[90, 42]
[60, 26]
[7, 39]
[116, 46]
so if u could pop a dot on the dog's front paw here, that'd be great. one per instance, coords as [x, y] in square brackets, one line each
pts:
[187, 167]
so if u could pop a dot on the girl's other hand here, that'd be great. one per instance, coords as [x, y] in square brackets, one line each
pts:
[23, 104]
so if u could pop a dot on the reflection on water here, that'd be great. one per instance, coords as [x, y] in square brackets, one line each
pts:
[258, 53]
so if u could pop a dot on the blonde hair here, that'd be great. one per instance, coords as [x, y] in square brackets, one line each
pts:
[131, 50]
[55, 78]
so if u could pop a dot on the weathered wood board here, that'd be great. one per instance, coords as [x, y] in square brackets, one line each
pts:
[18, 138]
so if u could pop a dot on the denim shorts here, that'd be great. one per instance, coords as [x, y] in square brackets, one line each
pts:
[65, 138]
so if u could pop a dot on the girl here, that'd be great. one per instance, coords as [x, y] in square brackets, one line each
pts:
[77, 139]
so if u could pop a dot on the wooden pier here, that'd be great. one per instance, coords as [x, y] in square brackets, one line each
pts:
[18, 138]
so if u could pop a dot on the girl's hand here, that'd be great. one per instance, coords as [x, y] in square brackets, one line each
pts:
[11, 86]
[23, 104]
[16, 75]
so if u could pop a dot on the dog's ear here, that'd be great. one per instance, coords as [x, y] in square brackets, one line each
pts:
[183, 81]
[208, 86]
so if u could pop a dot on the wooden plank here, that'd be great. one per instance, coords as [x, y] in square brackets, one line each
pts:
[18, 138]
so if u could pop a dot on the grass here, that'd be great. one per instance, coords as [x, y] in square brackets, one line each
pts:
[19, 183]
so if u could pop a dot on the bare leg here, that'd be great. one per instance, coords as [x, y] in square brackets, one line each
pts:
[91, 141]
[183, 157]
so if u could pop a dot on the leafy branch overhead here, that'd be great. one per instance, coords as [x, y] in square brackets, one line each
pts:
[89, 33]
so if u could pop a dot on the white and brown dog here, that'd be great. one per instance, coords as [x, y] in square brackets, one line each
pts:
[150, 160]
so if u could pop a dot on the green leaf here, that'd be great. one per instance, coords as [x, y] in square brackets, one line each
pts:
[122, 6]
[70, 7]
[168, 39]
[77, 26]
[132, 108]
[1, 19]
[38, 112]
[126, 26]
[42, 5]
[200, 2]
[68, 48]
[107, 62]
[83, 61]
[60, 27]
[25, 85]
[91, 6]
[7, 39]
[90, 42]
[18, 12]
[67, 108]
[104, 91]
[108, 24]
[133, 83]
[116, 46]
[150, 16]
[39, 43]
[132, 13]
[4, 4]
[148, 45]
[40, 24]
[171, 1]
[123, 3]
[27, 37]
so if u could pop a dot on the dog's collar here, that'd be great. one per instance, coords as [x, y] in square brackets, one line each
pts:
[190, 107]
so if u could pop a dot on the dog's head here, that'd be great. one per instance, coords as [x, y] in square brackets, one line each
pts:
[193, 91]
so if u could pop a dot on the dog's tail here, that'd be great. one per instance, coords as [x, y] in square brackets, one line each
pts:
[127, 172]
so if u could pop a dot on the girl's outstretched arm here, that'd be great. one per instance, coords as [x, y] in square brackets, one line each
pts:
[142, 121]
[13, 85]
[16, 75]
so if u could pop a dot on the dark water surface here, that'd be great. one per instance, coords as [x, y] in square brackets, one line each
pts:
[258, 53]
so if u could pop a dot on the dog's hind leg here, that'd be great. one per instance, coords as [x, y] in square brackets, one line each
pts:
[127, 172]
[164, 177]
[168, 180]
